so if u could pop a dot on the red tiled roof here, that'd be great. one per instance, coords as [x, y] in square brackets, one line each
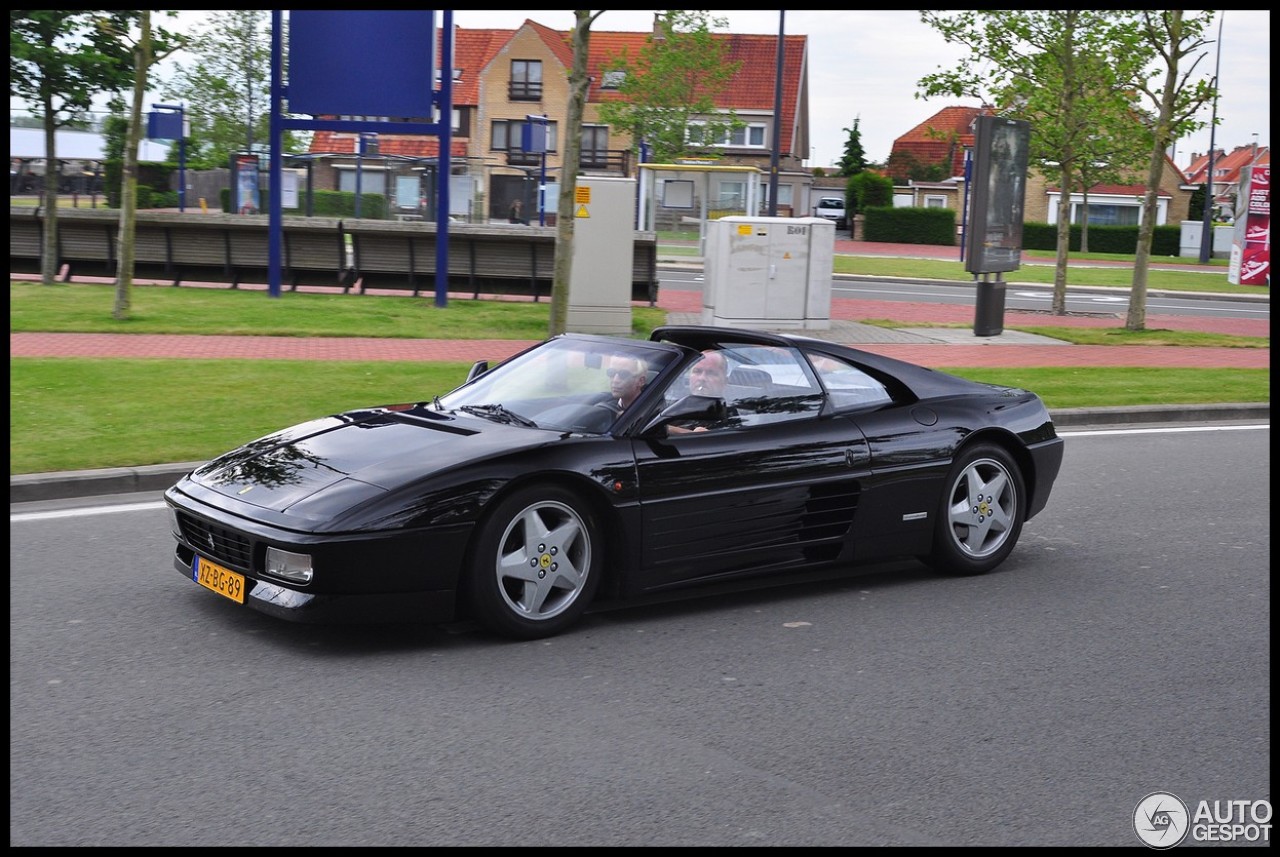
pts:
[407, 145]
[752, 87]
[1226, 167]
[944, 135]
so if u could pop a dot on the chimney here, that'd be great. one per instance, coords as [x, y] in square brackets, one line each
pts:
[658, 35]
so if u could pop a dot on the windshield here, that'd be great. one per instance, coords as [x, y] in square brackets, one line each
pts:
[566, 384]
[831, 203]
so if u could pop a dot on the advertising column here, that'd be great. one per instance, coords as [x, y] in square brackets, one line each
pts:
[1251, 249]
[244, 186]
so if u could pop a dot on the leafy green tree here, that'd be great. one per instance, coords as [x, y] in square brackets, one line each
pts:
[871, 190]
[58, 62]
[226, 89]
[1070, 73]
[854, 159]
[852, 163]
[1179, 44]
[669, 90]
[904, 166]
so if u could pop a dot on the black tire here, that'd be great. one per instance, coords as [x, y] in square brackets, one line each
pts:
[981, 512]
[535, 564]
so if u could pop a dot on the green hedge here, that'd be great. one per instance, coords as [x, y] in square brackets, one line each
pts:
[327, 203]
[1166, 241]
[938, 226]
[910, 225]
[153, 184]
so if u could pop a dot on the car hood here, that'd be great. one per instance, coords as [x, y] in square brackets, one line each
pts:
[356, 456]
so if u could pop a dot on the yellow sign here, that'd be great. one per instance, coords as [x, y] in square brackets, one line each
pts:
[582, 212]
[582, 195]
[744, 229]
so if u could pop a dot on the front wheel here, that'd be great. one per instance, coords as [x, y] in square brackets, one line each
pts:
[536, 563]
[980, 516]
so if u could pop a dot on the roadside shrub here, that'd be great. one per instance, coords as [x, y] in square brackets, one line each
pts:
[1166, 240]
[910, 225]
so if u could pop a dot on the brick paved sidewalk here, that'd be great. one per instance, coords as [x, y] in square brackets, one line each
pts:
[912, 341]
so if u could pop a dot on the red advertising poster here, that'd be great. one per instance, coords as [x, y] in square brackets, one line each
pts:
[1251, 248]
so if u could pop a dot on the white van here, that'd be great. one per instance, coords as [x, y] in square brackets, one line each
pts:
[832, 208]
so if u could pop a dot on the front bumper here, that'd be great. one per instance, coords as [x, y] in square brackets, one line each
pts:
[426, 606]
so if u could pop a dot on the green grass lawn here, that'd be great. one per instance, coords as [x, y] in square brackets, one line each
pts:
[73, 414]
[76, 414]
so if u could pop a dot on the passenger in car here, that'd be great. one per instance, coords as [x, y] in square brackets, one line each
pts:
[627, 377]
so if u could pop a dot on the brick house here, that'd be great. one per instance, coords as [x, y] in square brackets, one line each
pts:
[503, 77]
[1227, 172]
[944, 138]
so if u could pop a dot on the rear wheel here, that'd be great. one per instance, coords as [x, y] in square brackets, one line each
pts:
[536, 563]
[980, 515]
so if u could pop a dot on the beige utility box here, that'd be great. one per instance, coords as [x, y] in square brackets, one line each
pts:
[604, 212]
[769, 272]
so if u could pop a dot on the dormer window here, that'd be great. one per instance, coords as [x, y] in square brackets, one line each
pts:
[613, 79]
[526, 80]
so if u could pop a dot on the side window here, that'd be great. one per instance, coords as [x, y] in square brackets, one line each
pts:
[769, 385]
[847, 385]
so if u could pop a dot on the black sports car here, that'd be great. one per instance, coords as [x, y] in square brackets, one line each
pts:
[593, 467]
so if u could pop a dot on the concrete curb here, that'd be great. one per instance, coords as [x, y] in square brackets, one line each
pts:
[1178, 414]
[31, 487]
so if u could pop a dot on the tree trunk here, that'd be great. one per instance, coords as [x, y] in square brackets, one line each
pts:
[1059, 305]
[125, 251]
[49, 249]
[572, 141]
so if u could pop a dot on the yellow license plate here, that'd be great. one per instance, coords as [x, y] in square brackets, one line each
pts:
[221, 580]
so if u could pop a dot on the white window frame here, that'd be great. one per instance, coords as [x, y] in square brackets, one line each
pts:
[753, 135]
[1128, 200]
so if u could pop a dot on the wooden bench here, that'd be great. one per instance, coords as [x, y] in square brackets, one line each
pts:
[489, 259]
[483, 259]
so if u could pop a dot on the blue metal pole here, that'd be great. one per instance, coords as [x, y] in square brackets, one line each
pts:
[182, 159]
[964, 213]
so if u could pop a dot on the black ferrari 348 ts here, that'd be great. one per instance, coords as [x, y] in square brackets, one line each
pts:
[545, 482]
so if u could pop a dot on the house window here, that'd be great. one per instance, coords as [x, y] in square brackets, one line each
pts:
[595, 146]
[1108, 214]
[748, 137]
[786, 193]
[613, 79]
[506, 135]
[526, 80]
[931, 201]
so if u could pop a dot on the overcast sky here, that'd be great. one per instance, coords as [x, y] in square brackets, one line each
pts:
[866, 65]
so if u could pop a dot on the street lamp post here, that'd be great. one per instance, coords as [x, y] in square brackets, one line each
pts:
[1206, 228]
[777, 119]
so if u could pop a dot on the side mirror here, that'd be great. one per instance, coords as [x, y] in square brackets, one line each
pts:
[700, 408]
[477, 369]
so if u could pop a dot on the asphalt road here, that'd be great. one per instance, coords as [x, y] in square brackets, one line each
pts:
[1123, 649]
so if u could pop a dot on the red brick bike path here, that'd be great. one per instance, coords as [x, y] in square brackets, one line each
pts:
[984, 351]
